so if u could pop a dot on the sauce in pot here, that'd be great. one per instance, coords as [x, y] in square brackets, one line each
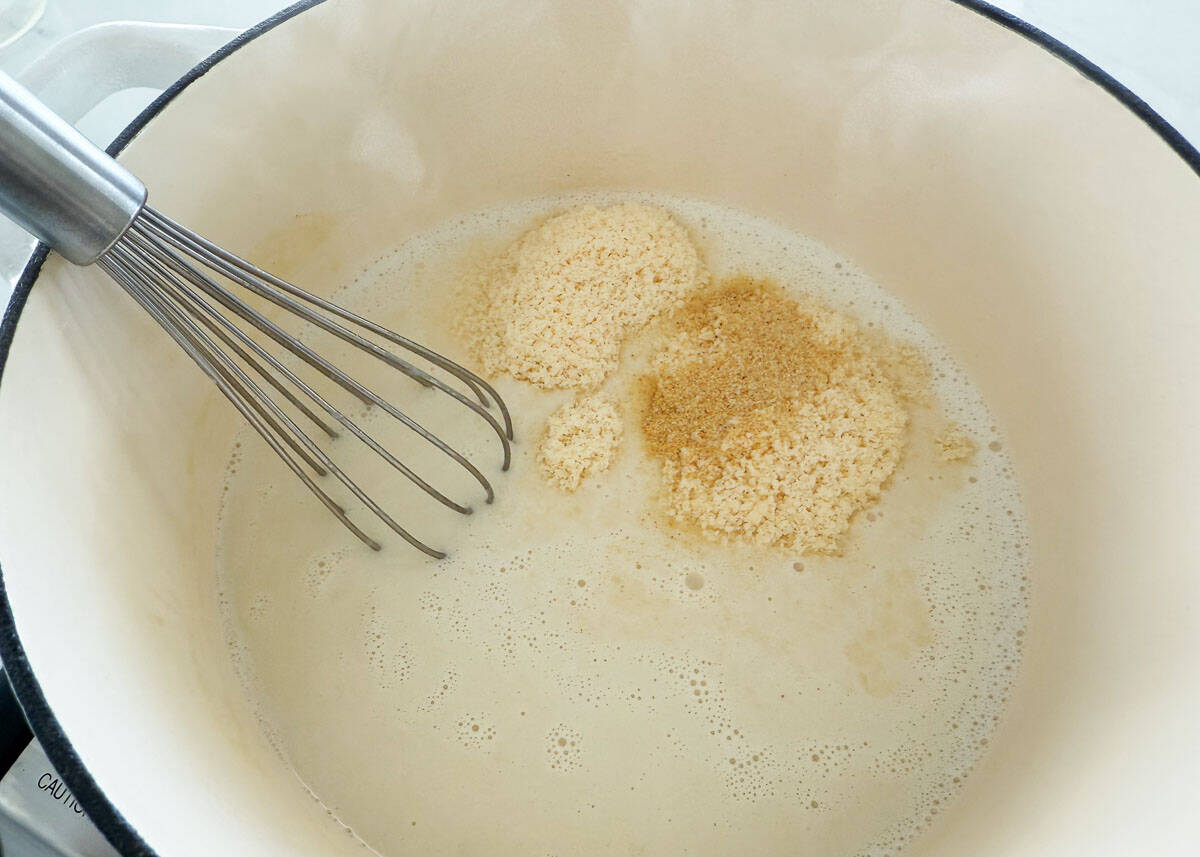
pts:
[580, 677]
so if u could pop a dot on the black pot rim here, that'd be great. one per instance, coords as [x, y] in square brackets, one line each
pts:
[45, 725]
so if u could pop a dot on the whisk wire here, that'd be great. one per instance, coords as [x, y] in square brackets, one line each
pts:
[214, 322]
[144, 289]
[172, 273]
[478, 385]
[205, 358]
[255, 405]
[316, 361]
[284, 294]
[329, 370]
[191, 298]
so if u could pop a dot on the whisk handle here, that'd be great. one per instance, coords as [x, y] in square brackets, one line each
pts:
[57, 184]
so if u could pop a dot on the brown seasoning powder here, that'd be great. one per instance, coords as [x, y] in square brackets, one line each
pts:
[775, 421]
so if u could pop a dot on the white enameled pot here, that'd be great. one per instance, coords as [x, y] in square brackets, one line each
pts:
[1039, 218]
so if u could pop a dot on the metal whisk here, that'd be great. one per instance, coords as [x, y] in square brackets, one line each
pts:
[57, 185]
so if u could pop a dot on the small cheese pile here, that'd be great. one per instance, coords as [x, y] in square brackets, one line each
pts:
[555, 307]
[581, 440]
[774, 421]
[954, 444]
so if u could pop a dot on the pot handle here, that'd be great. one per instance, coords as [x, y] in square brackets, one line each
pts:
[84, 68]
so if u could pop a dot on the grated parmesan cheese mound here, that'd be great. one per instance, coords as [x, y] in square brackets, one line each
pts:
[775, 421]
[555, 307]
[581, 440]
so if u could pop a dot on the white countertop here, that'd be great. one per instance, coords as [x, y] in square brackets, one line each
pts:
[1151, 46]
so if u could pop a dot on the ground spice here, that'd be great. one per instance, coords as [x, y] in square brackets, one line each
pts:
[775, 421]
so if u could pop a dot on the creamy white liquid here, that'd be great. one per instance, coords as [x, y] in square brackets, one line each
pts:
[576, 678]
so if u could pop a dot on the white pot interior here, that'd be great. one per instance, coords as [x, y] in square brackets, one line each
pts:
[1039, 228]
